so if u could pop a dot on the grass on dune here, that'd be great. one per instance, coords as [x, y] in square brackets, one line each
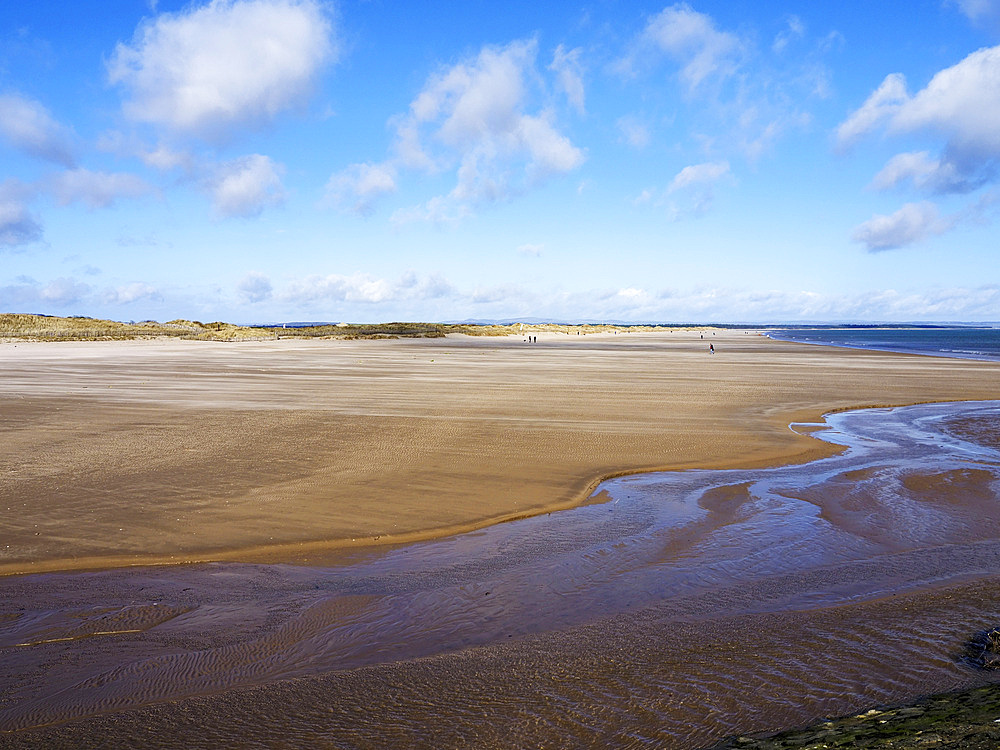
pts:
[23, 327]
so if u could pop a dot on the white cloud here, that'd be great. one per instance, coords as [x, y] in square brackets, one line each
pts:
[961, 103]
[910, 224]
[255, 287]
[358, 187]
[365, 289]
[17, 225]
[739, 98]
[438, 210]
[411, 286]
[246, 186]
[981, 12]
[485, 118]
[921, 170]
[96, 189]
[880, 106]
[205, 70]
[699, 174]
[532, 249]
[692, 40]
[129, 293]
[795, 30]
[162, 157]
[635, 133]
[336, 288]
[569, 74]
[60, 292]
[28, 127]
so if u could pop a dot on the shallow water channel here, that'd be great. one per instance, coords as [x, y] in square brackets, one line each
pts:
[675, 609]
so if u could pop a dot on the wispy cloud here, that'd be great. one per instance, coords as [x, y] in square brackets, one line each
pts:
[980, 12]
[569, 74]
[27, 125]
[634, 131]
[255, 287]
[699, 174]
[691, 39]
[96, 189]
[358, 187]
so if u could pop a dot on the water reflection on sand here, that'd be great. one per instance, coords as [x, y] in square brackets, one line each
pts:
[684, 607]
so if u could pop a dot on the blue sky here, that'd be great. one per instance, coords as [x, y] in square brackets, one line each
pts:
[271, 160]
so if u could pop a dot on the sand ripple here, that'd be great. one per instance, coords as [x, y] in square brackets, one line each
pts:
[685, 607]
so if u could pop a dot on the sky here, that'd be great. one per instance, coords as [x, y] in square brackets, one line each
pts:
[261, 161]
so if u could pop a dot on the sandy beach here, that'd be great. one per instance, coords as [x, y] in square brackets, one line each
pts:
[257, 543]
[119, 453]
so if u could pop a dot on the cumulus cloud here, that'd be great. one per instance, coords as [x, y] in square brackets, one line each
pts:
[960, 104]
[27, 126]
[532, 249]
[358, 187]
[880, 106]
[246, 186]
[96, 189]
[911, 223]
[488, 119]
[693, 41]
[205, 70]
[255, 287]
[476, 109]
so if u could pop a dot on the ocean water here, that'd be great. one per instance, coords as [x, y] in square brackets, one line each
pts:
[961, 342]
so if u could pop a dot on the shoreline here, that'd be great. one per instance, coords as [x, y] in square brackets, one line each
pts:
[641, 441]
[327, 552]
[332, 552]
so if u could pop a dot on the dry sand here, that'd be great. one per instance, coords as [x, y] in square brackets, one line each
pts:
[124, 453]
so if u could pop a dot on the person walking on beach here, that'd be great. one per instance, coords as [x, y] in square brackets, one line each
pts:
[711, 348]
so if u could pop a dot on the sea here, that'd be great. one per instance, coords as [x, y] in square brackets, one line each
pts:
[964, 342]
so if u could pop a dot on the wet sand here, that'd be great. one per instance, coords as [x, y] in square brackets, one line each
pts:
[123, 453]
[673, 609]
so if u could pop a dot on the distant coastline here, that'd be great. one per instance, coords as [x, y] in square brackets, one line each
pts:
[957, 342]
